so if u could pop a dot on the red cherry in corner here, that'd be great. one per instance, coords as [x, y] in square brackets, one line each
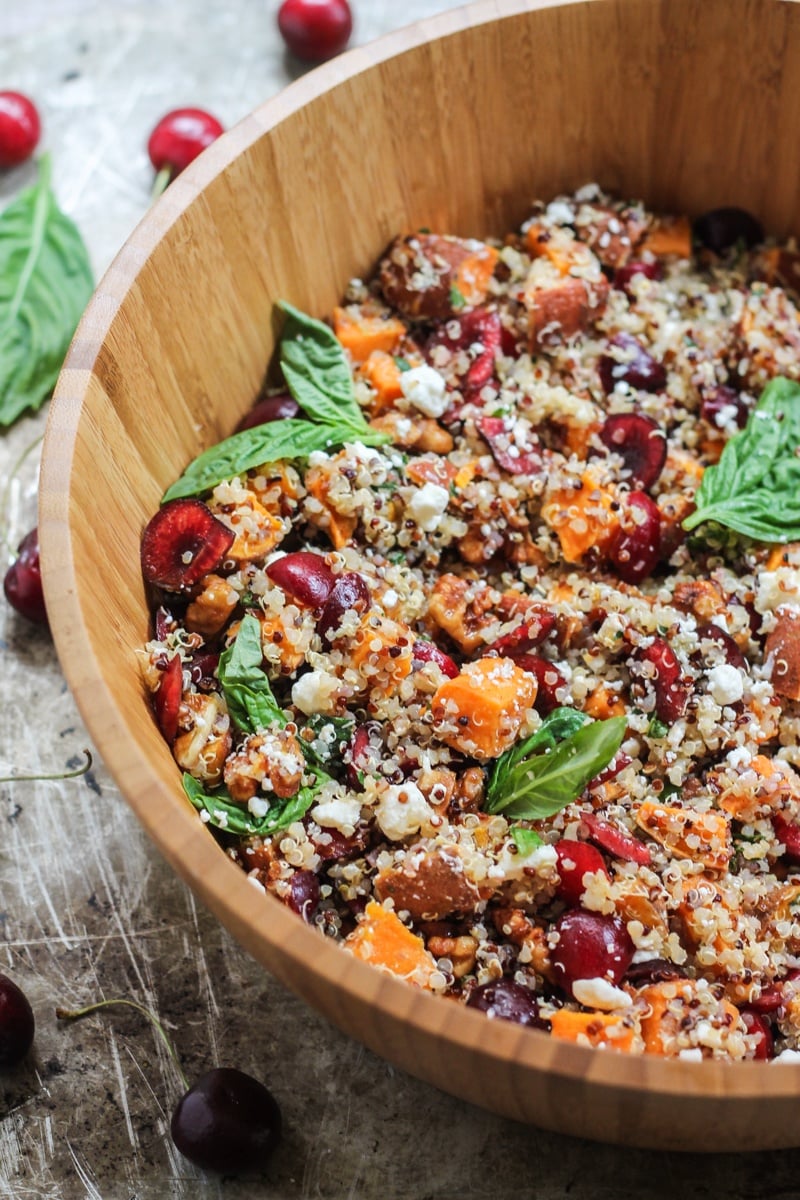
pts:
[20, 128]
[315, 30]
[23, 581]
[177, 140]
[17, 1025]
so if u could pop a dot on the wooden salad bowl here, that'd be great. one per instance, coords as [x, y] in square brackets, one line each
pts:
[456, 123]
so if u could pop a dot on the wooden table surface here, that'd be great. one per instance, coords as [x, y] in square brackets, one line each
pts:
[87, 908]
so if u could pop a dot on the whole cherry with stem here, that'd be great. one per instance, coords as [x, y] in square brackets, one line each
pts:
[17, 1024]
[20, 128]
[227, 1121]
[177, 139]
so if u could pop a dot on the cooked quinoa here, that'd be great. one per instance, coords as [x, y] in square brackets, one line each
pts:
[515, 549]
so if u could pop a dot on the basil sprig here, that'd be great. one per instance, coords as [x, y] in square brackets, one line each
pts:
[245, 685]
[233, 818]
[45, 284]
[526, 840]
[754, 489]
[527, 785]
[319, 377]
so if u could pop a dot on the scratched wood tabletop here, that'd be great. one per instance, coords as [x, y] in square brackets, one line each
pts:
[87, 908]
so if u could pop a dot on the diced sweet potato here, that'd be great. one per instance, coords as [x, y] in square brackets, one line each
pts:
[361, 334]
[381, 939]
[414, 432]
[764, 785]
[634, 904]
[583, 517]
[481, 710]
[703, 837]
[273, 636]
[431, 470]
[664, 1007]
[383, 375]
[340, 527]
[562, 306]
[430, 275]
[593, 1029]
[602, 703]
[473, 274]
[782, 652]
[209, 611]
[381, 653]
[257, 530]
[669, 236]
[430, 888]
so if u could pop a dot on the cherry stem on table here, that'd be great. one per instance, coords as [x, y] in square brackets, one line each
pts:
[76, 1014]
[81, 770]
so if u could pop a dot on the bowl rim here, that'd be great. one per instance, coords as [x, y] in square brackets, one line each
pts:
[227, 892]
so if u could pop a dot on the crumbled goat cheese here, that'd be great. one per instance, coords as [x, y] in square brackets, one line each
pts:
[599, 993]
[340, 812]
[258, 807]
[725, 684]
[427, 506]
[315, 692]
[425, 388]
[402, 810]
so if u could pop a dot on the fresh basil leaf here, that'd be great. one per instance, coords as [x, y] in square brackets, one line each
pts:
[329, 734]
[754, 489]
[45, 284]
[245, 685]
[657, 729]
[540, 785]
[290, 438]
[316, 370]
[559, 724]
[526, 840]
[224, 814]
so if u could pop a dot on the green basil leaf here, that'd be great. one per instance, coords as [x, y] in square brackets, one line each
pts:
[45, 284]
[657, 729]
[235, 818]
[245, 685]
[289, 439]
[329, 734]
[559, 724]
[316, 370]
[540, 785]
[754, 489]
[526, 840]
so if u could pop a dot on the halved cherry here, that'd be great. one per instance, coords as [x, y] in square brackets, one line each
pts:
[635, 548]
[167, 698]
[548, 677]
[657, 665]
[759, 1028]
[639, 442]
[182, 543]
[634, 366]
[624, 275]
[576, 859]
[304, 576]
[733, 654]
[789, 835]
[615, 840]
[479, 327]
[526, 636]
[425, 652]
[268, 409]
[350, 593]
[525, 459]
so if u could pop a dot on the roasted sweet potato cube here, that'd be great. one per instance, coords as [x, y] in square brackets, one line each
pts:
[481, 710]
[361, 333]
[593, 1029]
[381, 938]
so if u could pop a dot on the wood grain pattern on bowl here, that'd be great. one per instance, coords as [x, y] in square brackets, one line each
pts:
[457, 124]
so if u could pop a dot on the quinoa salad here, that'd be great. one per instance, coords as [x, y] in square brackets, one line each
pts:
[478, 643]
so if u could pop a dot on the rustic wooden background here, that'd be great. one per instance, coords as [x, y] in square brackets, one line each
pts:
[87, 909]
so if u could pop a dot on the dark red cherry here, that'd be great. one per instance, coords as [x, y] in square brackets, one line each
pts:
[270, 408]
[615, 840]
[590, 945]
[548, 677]
[652, 970]
[17, 1025]
[576, 859]
[527, 459]
[658, 668]
[182, 543]
[167, 698]
[20, 128]
[789, 836]
[228, 1122]
[350, 593]
[733, 654]
[719, 402]
[640, 443]
[635, 548]
[23, 581]
[722, 228]
[506, 1000]
[632, 365]
[304, 894]
[531, 633]
[479, 327]
[756, 1025]
[425, 652]
[625, 274]
[315, 30]
[304, 576]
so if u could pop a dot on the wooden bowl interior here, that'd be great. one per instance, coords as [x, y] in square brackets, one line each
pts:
[456, 124]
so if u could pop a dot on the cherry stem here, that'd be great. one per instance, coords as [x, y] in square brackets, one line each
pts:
[76, 1014]
[82, 770]
[16, 468]
[162, 180]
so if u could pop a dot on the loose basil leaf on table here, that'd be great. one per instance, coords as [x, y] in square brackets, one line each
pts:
[533, 786]
[319, 378]
[245, 685]
[224, 814]
[45, 284]
[754, 489]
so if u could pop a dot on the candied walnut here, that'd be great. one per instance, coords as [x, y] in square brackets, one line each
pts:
[463, 610]
[461, 951]
[704, 598]
[512, 923]
[429, 886]
[212, 607]
[782, 652]
[469, 792]
[414, 433]
[438, 785]
[202, 746]
[428, 275]
[265, 762]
